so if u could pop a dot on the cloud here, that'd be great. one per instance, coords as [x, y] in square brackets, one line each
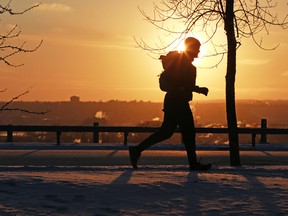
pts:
[55, 7]
[107, 41]
[106, 45]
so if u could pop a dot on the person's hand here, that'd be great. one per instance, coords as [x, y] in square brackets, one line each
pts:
[204, 90]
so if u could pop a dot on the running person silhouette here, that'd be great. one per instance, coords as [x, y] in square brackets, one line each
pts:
[177, 111]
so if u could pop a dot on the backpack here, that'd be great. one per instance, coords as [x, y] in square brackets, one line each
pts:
[170, 64]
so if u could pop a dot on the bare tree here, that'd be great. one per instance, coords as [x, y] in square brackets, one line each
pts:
[8, 49]
[239, 18]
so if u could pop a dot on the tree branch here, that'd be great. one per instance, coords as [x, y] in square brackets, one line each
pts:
[6, 108]
[7, 8]
[6, 49]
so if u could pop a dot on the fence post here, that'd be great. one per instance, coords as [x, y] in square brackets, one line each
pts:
[263, 134]
[58, 134]
[253, 140]
[9, 134]
[125, 138]
[96, 133]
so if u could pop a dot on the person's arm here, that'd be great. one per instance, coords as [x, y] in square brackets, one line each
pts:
[201, 90]
[190, 84]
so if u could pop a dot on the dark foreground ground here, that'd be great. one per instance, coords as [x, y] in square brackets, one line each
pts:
[114, 157]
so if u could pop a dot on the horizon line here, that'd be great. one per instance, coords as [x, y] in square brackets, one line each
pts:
[148, 101]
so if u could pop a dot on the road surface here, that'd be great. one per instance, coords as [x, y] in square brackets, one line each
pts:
[78, 157]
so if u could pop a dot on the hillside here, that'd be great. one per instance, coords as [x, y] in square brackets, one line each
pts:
[249, 113]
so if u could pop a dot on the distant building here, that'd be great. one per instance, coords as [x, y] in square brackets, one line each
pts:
[74, 99]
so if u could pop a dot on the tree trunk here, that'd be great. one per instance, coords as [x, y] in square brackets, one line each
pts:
[230, 85]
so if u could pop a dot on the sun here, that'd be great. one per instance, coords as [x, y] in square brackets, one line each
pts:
[181, 47]
[178, 45]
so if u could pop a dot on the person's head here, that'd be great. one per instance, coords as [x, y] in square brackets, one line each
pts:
[192, 47]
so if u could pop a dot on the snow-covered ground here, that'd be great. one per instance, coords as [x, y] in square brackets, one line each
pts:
[151, 190]
[96, 180]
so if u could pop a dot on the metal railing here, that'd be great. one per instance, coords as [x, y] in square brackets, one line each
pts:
[96, 129]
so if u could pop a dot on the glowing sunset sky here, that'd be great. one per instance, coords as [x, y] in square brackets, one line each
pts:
[89, 50]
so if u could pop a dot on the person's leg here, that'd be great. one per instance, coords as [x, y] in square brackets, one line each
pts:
[166, 131]
[186, 124]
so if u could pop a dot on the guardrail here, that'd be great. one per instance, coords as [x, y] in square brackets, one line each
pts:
[96, 129]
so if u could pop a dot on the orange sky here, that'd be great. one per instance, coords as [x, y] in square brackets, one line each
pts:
[89, 50]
